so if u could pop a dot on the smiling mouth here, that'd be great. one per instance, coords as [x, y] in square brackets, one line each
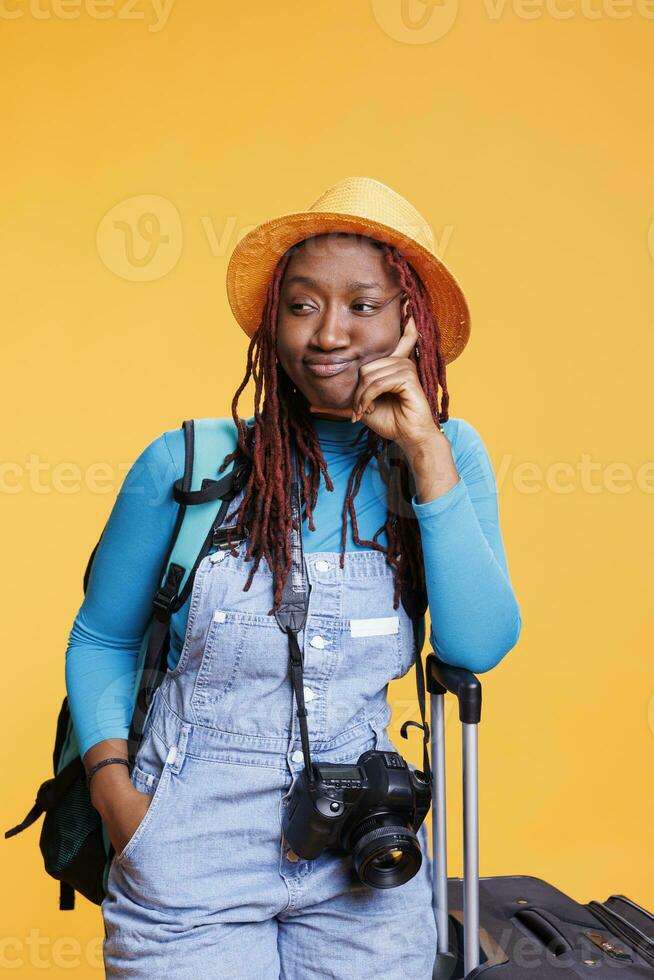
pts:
[328, 370]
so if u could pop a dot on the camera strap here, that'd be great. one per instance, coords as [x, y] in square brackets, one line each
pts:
[292, 614]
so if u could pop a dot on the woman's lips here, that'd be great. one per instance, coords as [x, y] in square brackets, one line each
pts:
[328, 370]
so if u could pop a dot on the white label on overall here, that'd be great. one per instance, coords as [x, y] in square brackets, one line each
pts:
[381, 626]
[219, 616]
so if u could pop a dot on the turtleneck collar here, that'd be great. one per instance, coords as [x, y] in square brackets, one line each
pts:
[340, 435]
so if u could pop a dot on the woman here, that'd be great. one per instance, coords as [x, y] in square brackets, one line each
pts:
[349, 344]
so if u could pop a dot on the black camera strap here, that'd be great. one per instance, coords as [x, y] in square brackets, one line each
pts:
[292, 614]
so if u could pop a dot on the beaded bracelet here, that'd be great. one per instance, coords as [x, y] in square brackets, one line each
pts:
[104, 762]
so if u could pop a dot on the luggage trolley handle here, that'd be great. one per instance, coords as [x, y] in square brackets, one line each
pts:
[440, 679]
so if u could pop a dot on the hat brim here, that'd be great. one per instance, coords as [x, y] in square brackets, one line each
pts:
[256, 255]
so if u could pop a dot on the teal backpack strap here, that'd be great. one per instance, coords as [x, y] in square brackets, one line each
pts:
[204, 496]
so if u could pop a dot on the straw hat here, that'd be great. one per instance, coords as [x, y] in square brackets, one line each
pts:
[364, 206]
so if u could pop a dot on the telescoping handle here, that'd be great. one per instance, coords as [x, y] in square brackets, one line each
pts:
[440, 679]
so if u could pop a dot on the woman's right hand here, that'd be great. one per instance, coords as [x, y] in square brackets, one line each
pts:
[121, 806]
[123, 817]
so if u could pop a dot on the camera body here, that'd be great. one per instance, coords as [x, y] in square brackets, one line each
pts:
[371, 808]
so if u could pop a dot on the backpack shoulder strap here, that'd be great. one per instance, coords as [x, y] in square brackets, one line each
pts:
[204, 496]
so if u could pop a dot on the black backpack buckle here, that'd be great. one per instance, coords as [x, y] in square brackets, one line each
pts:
[219, 539]
[164, 601]
[166, 596]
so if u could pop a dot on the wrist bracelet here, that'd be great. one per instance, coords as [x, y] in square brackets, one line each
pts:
[104, 762]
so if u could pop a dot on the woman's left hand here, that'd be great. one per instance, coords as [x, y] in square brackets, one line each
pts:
[389, 398]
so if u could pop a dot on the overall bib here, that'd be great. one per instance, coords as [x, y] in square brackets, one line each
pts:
[207, 886]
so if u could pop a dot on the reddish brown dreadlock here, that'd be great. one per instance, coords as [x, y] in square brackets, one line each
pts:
[265, 508]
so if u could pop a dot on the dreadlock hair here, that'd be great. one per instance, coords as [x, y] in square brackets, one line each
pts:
[265, 508]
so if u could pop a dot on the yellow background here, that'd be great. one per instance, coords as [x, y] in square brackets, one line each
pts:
[524, 136]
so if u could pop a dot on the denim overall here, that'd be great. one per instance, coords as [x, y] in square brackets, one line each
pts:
[207, 886]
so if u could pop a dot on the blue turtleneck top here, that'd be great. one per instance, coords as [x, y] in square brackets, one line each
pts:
[475, 617]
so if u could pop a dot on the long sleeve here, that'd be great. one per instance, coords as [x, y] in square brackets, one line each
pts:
[475, 617]
[108, 630]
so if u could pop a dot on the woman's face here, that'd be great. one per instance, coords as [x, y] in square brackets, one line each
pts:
[339, 305]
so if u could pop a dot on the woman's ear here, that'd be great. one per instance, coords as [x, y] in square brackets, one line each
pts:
[405, 313]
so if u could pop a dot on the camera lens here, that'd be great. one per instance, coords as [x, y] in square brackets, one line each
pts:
[390, 859]
[385, 853]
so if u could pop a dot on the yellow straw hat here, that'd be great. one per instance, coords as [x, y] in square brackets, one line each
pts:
[364, 206]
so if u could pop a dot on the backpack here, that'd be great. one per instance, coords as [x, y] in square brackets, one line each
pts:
[74, 841]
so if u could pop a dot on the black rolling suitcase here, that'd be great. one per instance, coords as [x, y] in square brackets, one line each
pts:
[516, 925]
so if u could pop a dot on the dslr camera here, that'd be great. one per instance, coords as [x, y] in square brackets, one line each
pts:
[372, 809]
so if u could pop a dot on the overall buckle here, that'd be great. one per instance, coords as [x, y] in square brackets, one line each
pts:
[219, 538]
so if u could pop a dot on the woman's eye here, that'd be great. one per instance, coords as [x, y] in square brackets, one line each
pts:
[297, 306]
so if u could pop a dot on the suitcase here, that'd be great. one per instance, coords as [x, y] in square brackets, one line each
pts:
[515, 925]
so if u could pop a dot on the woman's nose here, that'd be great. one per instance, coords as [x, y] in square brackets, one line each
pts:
[332, 329]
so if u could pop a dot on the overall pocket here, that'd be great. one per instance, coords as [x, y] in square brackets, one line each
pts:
[154, 785]
[221, 656]
[242, 684]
